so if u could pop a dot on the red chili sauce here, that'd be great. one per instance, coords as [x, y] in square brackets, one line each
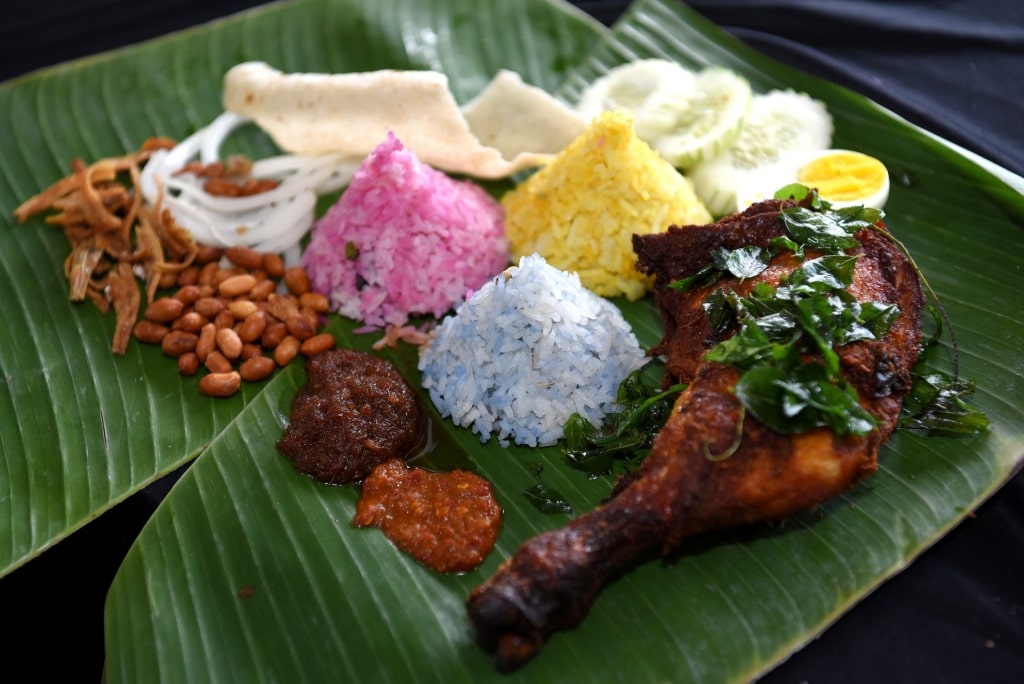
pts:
[447, 521]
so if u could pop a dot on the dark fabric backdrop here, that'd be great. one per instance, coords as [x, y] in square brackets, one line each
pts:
[955, 67]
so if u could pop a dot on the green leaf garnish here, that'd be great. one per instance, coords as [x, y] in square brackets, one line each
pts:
[936, 406]
[808, 314]
[825, 232]
[547, 499]
[745, 262]
[811, 312]
[624, 434]
[791, 399]
[795, 191]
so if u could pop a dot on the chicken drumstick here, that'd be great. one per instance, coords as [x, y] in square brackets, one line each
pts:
[681, 489]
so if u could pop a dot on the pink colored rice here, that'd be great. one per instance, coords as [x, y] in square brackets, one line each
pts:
[404, 239]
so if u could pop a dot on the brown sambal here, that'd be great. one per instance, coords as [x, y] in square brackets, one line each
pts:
[355, 412]
[447, 521]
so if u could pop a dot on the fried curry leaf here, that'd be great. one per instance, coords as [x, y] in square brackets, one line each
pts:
[813, 224]
[546, 499]
[936, 406]
[750, 346]
[830, 231]
[744, 262]
[796, 398]
[810, 312]
[624, 434]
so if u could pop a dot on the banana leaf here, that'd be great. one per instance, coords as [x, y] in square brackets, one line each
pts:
[249, 571]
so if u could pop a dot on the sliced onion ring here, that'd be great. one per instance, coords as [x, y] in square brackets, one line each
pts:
[271, 221]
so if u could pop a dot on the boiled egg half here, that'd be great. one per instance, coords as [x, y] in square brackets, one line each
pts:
[844, 178]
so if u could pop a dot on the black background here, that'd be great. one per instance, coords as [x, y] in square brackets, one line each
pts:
[954, 67]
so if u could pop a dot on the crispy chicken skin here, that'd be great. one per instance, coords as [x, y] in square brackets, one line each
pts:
[551, 581]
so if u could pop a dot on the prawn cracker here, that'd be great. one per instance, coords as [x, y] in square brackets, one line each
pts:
[508, 127]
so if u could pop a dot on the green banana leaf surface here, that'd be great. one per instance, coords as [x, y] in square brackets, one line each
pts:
[250, 571]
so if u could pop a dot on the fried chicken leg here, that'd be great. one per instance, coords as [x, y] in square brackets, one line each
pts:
[681, 489]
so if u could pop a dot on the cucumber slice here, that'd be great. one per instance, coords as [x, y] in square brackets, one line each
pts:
[629, 85]
[686, 116]
[704, 126]
[779, 122]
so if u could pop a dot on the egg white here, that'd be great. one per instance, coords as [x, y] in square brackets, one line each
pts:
[761, 183]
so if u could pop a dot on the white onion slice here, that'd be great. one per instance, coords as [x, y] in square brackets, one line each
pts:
[215, 133]
[271, 221]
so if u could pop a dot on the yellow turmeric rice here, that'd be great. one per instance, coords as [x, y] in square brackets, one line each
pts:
[580, 211]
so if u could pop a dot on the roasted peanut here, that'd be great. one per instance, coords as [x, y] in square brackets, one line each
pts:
[188, 363]
[237, 285]
[188, 276]
[252, 327]
[222, 187]
[250, 350]
[286, 350]
[229, 343]
[273, 334]
[312, 316]
[299, 326]
[226, 273]
[273, 264]
[262, 290]
[208, 273]
[297, 281]
[209, 254]
[208, 306]
[207, 341]
[225, 319]
[315, 301]
[150, 332]
[191, 321]
[316, 344]
[188, 294]
[178, 342]
[168, 279]
[282, 306]
[257, 368]
[164, 310]
[216, 362]
[254, 186]
[244, 257]
[242, 308]
[220, 384]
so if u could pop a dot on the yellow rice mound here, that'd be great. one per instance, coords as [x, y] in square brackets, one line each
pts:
[580, 211]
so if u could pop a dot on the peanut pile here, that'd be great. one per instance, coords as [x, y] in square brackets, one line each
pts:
[237, 313]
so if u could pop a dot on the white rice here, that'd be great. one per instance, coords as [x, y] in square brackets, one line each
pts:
[528, 349]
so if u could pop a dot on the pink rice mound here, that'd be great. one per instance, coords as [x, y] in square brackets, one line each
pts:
[404, 239]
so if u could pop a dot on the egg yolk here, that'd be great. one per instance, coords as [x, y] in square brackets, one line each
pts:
[844, 176]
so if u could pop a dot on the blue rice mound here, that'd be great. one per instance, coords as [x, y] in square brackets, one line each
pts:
[528, 349]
